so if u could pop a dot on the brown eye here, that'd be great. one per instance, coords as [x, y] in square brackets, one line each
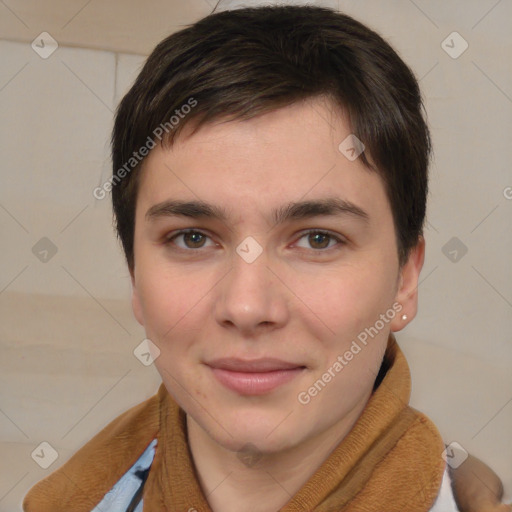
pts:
[194, 239]
[320, 240]
[191, 239]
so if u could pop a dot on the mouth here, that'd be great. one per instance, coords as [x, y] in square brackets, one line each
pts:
[256, 377]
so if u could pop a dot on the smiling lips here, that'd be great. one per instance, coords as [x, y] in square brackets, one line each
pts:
[255, 377]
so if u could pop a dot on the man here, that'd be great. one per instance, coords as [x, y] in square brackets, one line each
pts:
[269, 189]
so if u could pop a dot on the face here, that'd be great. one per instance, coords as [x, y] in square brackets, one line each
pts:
[289, 253]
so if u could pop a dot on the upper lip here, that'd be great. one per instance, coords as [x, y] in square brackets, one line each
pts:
[266, 364]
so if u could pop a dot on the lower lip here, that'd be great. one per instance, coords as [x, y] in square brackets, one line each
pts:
[247, 383]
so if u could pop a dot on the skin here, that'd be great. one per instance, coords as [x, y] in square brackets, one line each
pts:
[302, 300]
[477, 487]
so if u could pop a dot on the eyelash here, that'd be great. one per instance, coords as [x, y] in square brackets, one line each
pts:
[169, 240]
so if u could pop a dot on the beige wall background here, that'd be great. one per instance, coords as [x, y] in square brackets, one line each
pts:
[67, 334]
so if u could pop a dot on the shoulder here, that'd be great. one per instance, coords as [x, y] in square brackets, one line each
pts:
[82, 481]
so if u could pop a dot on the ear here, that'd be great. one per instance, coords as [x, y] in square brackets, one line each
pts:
[407, 293]
[136, 303]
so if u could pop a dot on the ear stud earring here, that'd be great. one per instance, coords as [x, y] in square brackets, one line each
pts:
[404, 317]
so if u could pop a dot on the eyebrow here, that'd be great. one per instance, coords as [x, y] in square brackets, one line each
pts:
[331, 206]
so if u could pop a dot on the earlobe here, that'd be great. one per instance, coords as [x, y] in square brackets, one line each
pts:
[407, 293]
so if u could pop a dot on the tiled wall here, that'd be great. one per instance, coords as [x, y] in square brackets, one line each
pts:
[67, 333]
[56, 120]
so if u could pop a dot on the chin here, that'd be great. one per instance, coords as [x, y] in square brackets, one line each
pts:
[253, 444]
[252, 434]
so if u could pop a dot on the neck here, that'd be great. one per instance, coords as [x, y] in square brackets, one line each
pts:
[264, 483]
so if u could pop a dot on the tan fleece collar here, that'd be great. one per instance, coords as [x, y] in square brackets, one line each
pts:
[390, 460]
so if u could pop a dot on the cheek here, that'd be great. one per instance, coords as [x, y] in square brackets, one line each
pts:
[343, 301]
[175, 314]
[159, 307]
[169, 299]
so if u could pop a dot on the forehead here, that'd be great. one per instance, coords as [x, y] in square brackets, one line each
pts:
[279, 157]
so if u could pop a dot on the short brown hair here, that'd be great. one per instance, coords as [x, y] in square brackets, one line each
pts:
[241, 63]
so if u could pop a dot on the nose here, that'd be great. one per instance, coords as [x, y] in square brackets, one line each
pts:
[251, 298]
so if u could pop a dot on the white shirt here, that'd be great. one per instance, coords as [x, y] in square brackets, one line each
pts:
[445, 501]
